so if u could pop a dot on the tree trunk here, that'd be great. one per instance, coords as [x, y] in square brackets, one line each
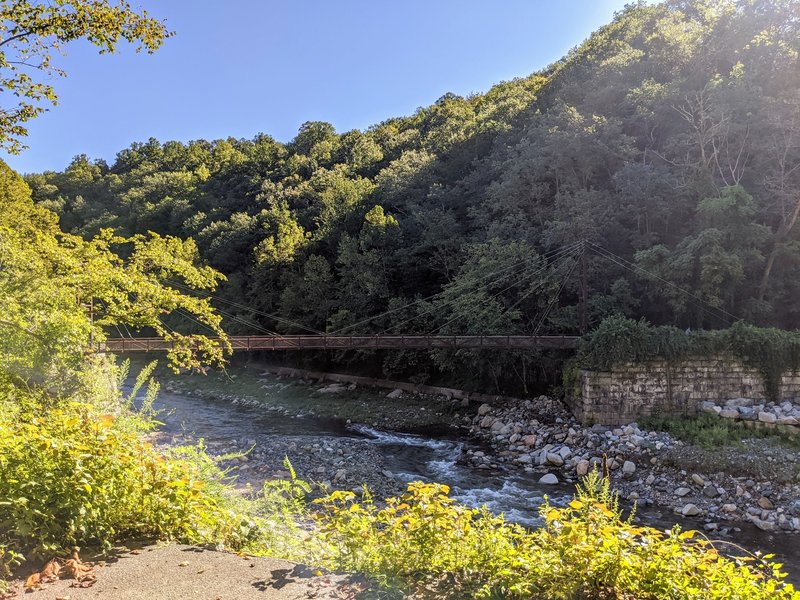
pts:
[783, 232]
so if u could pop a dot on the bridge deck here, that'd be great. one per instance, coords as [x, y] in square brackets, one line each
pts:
[352, 342]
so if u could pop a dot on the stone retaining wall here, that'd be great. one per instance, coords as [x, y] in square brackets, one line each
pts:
[631, 391]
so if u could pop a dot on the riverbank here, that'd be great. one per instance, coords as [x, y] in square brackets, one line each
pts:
[755, 481]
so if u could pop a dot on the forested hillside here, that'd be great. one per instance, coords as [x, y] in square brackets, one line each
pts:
[671, 138]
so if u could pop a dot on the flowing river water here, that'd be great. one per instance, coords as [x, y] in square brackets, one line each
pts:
[432, 457]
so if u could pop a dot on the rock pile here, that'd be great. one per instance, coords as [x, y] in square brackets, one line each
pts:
[540, 437]
[747, 409]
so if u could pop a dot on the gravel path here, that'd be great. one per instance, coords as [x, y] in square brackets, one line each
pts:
[176, 572]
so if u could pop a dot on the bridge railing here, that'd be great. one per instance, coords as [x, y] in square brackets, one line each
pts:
[347, 342]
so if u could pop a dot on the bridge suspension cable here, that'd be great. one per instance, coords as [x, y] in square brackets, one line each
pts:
[459, 287]
[245, 307]
[565, 259]
[702, 304]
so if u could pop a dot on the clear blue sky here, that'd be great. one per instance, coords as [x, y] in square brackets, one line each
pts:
[240, 67]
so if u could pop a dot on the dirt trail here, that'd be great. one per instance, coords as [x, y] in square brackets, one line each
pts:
[176, 572]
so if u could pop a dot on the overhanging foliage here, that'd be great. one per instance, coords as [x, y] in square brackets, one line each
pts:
[619, 340]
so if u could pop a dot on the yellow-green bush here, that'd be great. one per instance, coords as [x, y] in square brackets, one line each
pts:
[585, 550]
[69, 475]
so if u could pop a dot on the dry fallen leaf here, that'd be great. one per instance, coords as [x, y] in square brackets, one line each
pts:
[48, 574]
[76, 569]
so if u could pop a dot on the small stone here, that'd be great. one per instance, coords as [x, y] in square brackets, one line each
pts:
[729, 413]
[628, 467]
[582, 468]
[395, 393]
[729, 508]
[487, 421]
[765, 503]
[548, 479]
[698, 479]
[767, 417]
[788, 421]
[711, 491]
[484, 409]
[690, 510]
[529, 440]
[555, 459]
[762, 524]
[497, 426]
[682, 491]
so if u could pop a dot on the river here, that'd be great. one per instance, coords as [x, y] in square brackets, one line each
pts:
[432, 457]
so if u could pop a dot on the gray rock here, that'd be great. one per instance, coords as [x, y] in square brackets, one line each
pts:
[767, 417]
[529, 440]
[711, 491]
[765, 503]
[555, 459]
[395, 393]
[484, 409]
[682, 491]
[698, 479]
[762, 524]
[497, 426]
[333, 388]
[487, 421]
[729, 413]
[548, 479]
[582, 468]
[628, 467]
[690, 510]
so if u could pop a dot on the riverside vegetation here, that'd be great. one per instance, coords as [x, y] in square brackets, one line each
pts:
[313, 230]
[76, 471]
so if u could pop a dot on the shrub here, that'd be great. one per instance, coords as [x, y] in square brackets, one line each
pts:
[585, 550]
[71, 476]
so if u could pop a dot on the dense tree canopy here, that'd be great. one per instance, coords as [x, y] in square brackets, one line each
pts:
[670, 138]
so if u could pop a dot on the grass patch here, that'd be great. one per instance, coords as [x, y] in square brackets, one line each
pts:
[709, 431]
[361, 405]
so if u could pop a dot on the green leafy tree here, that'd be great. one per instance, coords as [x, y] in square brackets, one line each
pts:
[31, 32]
[59, 294]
